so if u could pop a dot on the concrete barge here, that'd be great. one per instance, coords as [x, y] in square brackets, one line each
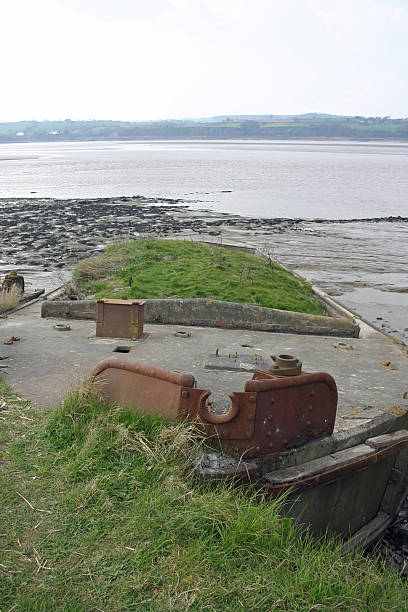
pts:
[351, 482]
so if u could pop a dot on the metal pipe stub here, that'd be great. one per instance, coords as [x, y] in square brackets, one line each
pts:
[286, 365]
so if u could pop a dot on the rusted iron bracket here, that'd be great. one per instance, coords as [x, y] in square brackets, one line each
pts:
[148, 389]
[275, 413]
[272, 413]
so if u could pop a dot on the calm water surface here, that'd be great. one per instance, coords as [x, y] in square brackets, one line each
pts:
[252, 178]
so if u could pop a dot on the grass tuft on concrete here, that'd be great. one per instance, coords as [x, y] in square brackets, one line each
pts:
[99, 511]
[182, 269]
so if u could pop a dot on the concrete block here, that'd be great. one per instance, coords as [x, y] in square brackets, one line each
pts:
[214, 313]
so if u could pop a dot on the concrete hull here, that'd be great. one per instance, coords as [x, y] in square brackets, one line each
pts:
[370, 373]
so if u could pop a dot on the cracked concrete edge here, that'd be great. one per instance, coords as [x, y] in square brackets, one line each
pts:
[215, 313]
[317, 449]
[340, 440]
[42, 296]
[366, 327]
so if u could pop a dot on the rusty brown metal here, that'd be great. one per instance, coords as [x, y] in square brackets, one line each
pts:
[286, 365]
[148, 389]
[271, 414]
[120, 319]
[277, 412]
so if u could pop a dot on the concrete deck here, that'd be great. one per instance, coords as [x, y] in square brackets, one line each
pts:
[372, 376]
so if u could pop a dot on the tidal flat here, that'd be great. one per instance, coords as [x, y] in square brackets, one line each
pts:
[360, 262]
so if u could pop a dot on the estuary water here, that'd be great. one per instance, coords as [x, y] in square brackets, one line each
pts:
[325, 179]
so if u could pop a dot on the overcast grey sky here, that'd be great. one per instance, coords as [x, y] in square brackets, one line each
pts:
[155, 59]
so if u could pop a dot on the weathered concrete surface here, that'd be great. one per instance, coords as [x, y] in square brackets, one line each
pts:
[371, 376]
[214, 313]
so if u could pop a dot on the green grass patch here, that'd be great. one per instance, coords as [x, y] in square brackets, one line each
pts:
[182, 269]
[99, 511]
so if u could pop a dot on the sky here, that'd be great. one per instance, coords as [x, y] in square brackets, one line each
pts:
[159, 59]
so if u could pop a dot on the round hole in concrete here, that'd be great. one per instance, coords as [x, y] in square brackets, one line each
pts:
[62, 327]
[343, 346]
[181, 333]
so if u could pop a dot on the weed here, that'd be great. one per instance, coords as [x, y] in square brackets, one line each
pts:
[99, 511]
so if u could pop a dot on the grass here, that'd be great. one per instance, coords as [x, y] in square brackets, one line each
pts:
[181, 269]
[9, 299]
[98, 511]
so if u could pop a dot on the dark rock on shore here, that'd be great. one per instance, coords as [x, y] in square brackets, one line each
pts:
[59, 232]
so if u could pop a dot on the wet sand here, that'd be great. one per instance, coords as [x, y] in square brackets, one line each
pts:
[361, 263]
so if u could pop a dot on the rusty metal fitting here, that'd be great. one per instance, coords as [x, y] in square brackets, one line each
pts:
[252, 425]
[286, 365]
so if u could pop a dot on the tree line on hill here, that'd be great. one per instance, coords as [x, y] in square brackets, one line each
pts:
[238, 127]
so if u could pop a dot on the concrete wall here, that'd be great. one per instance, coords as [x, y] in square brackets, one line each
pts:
[214, 313]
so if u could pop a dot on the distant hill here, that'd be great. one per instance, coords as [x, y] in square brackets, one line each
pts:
[308, 125]
[219, 118]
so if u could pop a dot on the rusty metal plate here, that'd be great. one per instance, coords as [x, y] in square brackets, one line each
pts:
[145, 388]
[283, 411]
[289, 414]
[238, 362]
[120, 319]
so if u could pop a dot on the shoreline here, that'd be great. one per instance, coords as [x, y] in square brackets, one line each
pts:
[335, 140]
[354, 260]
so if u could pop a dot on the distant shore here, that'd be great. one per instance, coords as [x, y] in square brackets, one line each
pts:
[309, 125]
